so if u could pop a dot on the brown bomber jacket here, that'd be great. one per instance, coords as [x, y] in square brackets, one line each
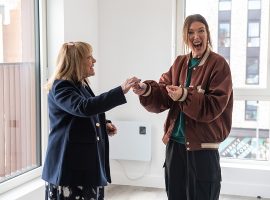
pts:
[207, 103]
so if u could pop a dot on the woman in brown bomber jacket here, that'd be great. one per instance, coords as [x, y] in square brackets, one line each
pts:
[198, 92]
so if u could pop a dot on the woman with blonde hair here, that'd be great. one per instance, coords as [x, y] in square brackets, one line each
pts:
[77, 160]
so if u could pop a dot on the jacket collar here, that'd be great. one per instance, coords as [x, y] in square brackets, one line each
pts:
[204, 58]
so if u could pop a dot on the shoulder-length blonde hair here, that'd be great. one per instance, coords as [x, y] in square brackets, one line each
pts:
[70, 63]
[188, 21]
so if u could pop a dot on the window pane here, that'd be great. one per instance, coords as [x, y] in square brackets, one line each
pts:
[224, 42]
[254, 4]
[19, 149]
[224, 29]
[225, 5]
[248, 139]
[253, 29]
[224, 34]
[251, 110]
[254, 42]
[252, 76]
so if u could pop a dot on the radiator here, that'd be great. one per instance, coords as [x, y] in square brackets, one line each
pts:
[132, 141]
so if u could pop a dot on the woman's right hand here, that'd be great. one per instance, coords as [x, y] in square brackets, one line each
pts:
[129, 83]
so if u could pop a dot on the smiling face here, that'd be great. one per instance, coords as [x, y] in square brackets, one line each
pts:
[89, 64]
[197, 39]
[196, 35]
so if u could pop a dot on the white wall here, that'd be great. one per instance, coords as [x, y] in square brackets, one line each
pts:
[69, 20]
[135, 39]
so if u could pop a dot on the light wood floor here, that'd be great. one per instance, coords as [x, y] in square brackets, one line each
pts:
[122, 192]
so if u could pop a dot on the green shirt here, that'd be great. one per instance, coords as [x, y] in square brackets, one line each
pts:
[178, 133]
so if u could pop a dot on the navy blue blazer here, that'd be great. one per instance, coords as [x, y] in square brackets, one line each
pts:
[78, 146]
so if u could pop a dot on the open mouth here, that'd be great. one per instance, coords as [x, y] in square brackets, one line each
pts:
[197, 45]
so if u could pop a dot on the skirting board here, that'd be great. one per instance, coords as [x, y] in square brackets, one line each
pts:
[228, 188]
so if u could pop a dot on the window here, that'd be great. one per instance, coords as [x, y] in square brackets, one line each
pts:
[236, 33]
[253, 34]
[224, 35]
[252, 74]
[251, 110]
[246, 144]
[253, 43]
[254, 4]
[19, 88]
[225, 5]
[224, 28]
[249, 137]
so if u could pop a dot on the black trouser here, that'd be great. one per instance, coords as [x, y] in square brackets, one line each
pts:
[191, 175]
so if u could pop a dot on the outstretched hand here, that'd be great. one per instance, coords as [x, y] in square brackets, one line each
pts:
[129, 83]
[139, 88]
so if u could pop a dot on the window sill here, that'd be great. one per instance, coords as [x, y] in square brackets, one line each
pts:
[23, 191]
[19, 181]
[245, 164]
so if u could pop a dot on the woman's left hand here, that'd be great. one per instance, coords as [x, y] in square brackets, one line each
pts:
[174, 92]
[111, 129]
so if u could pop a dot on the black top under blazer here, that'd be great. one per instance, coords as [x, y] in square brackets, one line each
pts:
[78, 146]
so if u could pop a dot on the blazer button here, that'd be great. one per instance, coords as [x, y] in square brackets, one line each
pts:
[188, 148]
[187, 143]
[97, 138]
[97, 124]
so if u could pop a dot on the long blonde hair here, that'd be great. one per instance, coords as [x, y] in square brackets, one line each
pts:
[70, 63]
